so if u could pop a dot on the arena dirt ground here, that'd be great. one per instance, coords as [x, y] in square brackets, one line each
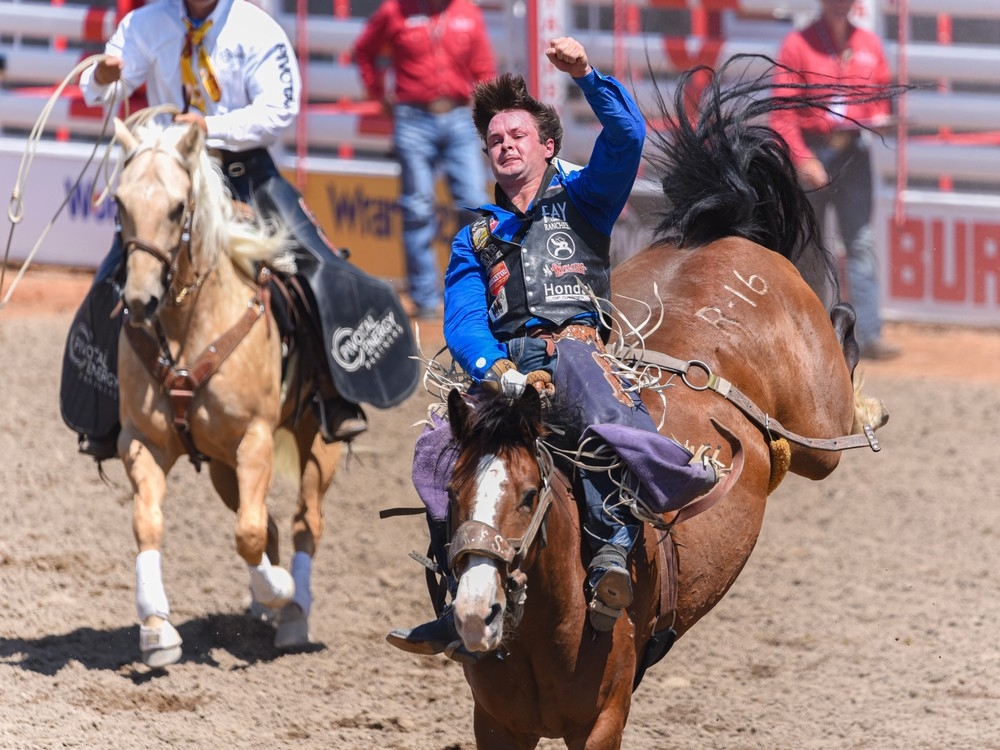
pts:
[867, 616]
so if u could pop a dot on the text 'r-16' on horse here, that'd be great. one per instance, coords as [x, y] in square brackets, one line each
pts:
[201, 374]
[736, 351]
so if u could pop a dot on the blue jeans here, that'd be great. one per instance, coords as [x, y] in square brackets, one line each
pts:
[425, 144]
[850, 194]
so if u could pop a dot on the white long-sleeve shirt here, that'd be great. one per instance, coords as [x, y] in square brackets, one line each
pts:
[252, 57]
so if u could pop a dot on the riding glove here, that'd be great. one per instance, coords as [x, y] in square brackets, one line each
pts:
[503, 377]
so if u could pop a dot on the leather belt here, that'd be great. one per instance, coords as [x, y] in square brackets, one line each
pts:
[439, 106]
[579, 331]
[238, 163]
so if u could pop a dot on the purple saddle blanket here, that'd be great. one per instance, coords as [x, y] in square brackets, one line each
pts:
[667, 480]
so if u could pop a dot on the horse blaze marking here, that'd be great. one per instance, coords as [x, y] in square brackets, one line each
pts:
[754, 283]
[492, 475]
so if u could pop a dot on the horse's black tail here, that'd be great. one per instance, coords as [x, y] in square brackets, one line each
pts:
[726, 172]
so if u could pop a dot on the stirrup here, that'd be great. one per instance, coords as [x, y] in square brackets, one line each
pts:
[612, 591]
[602, 617]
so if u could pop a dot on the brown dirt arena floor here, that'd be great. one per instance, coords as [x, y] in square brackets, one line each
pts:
[867, 617]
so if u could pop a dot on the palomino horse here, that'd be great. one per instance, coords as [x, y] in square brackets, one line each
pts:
[200, 375]
[741, 354]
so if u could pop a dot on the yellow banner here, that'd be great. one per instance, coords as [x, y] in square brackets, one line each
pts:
[362, 213]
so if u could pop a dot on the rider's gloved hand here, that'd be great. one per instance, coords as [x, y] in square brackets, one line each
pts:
[503, 377]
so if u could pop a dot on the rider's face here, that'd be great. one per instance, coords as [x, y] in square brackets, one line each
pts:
[512, 143]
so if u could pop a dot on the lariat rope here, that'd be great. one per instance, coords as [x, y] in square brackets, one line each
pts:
[15, 209]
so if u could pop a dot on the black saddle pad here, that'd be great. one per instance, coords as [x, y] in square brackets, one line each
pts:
[88, 393]
[365, 332]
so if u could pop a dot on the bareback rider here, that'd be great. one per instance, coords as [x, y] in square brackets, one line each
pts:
[230, 68]
[524, 292]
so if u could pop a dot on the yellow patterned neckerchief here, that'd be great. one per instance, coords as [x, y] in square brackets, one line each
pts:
[207, 74]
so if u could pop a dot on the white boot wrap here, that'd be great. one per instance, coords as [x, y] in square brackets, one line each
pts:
[272, 587]
[150, 596]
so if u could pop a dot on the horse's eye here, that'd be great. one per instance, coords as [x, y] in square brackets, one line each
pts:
[528, 501]
[177, 213]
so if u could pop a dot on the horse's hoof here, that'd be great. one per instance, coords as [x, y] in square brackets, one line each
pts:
[258, 612]
[272, 587]
[293, 628]
[160, 646]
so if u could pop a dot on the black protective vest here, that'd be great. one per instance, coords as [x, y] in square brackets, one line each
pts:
[559, 265]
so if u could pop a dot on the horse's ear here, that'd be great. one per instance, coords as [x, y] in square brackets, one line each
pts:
[192, 143]
[459, 414]
[125, 136]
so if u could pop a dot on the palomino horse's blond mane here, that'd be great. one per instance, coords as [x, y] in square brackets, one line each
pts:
[216, 221]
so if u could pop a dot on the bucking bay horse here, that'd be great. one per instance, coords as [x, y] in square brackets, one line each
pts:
[737, 352]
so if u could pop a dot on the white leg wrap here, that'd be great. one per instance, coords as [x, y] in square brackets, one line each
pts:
[272, 587]
[150, 596]
[302, 574]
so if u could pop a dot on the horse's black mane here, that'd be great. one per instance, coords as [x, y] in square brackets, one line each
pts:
[729, 173]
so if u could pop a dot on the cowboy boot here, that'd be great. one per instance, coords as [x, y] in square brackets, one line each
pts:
[612, 530]
[437, 636]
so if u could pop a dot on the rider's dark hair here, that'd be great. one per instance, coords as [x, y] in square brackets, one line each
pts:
[509, 92]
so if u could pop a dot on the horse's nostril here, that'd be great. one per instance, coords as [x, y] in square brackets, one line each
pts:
[154, 302]
[495, 612]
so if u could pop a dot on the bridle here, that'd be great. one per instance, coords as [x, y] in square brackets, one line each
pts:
[512, 555]
[169, 260]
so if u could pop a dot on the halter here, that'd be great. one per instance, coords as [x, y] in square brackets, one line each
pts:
[479, 538]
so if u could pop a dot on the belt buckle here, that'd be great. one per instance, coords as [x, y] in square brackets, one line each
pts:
[440, 106]
[236, 169]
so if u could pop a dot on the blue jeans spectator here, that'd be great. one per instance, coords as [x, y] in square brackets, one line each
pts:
[850, 193]
[426, 144]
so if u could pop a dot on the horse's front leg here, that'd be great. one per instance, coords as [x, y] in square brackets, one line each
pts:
[318, 461]
[224, 480]
[269, 585]
[606, 731]
[492, 735]
[159, 641]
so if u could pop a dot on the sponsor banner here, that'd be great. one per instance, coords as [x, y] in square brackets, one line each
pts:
[362, 213]
[942, 262]
[359, 212]
[81, 235]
